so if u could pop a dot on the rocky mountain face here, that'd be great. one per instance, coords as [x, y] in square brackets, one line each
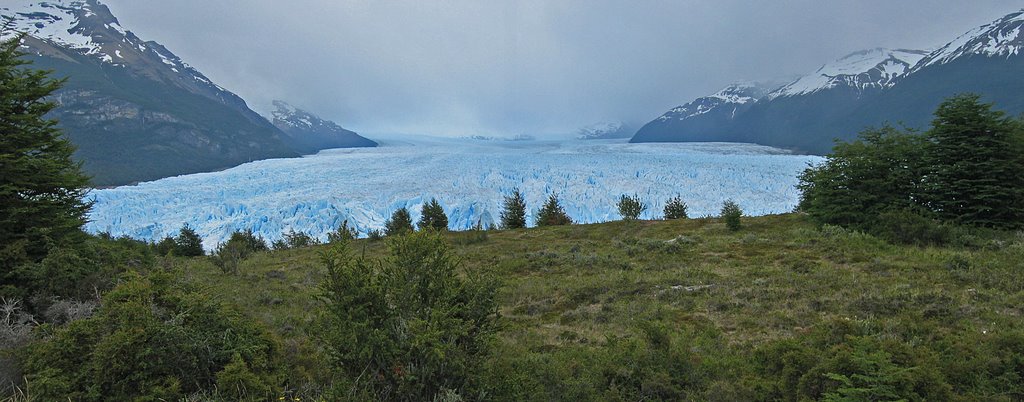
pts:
[864, 89]
[308, 133]
[691, 122]
[135, 110]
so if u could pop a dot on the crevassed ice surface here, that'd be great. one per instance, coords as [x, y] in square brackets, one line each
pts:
[315, 194]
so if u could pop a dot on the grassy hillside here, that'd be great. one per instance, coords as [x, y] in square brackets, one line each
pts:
[687, 309]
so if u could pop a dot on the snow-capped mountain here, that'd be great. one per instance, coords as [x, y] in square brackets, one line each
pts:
[864, 89]
[873, 69]
[1000, 39]
[135, 110]
[731, 99]
[310, 133]
[604, 131]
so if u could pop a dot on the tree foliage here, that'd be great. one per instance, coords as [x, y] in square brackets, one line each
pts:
[188, 243]
[975, 165]
[967, 169]
[408, 328]
[399, 223]
[41, 187]
[630, 207]
[552, 213]
[675, 208]
[433, 217]
[731, 213]
[343, 234]
[151, 339]
[513, 211]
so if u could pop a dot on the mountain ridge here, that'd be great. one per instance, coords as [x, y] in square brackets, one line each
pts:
[867, 88]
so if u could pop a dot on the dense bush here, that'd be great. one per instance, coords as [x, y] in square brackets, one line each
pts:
[675, 208]
[188, 243]
[967, 169]
[974, 162]
[731, 214]
[399, 223]
[292, 239]
[433, 217]
[630, 208]
[513, 211]
[343, 234]
[239, 246]
[151, 339]
[410, 328]
[552, 213]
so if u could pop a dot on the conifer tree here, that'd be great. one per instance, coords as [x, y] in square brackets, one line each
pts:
[675, 208]
[630, 208]
[400, 223]
[731, 213]
[974, 165]
[433, 217]
[41, 187]
[188, 243]
[552, 213]
[513, 213]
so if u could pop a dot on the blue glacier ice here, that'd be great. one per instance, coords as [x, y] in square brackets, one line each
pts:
[315, 194]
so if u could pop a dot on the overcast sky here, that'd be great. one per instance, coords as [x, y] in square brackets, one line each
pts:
[492, 67]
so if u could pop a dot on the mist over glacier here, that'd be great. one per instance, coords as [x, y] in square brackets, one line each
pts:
[316, 193]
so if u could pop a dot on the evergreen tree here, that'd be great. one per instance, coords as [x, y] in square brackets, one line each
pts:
[630, 208]
[513, 213]
[188, 243]
[975, 164]
[41, 187]
[675, 208]
[400, 223]
[731, 213]
[343, 234]
[433, 217]
[552, 213]
[878, 173]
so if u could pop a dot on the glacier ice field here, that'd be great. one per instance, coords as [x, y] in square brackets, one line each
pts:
[316, 193]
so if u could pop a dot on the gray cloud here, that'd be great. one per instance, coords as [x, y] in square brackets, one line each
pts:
[460, 67]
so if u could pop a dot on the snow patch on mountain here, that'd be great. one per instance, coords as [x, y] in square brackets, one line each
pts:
[1001, 38]
[878, 68]
[315, 194]
[605, 130]
[733, 96]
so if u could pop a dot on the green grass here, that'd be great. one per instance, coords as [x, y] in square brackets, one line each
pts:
[571, 293]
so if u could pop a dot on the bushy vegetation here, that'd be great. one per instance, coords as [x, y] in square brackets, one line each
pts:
[408, 328]
[239, 246]
[343, 234]
[294, 239]
[433, 216]
[731, 214]
[630, 207]
[399, 223]
[188, 243]
[151, 338]
[552, 213]
[675, 208]
[967, 169]
[513, 211]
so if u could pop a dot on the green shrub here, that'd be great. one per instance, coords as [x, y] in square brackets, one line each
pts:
[343, 234]
[150, 339]
[293, 239]
[552, 214]
[399, 223]
[188, 243]
[630, 208]
[409, 328]
[432, 216]
[675, 208]
[513, 211]
[904, 226]
[731, 213]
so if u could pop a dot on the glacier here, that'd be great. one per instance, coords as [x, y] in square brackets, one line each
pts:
[316, 193]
